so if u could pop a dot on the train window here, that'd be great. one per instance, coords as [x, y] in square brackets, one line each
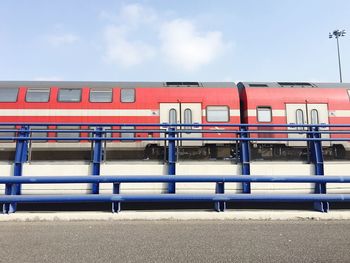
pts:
[256, 85]
[217, 114]
[37, 95]
[68, 134]
[172, 116]
[106, 134]
[188, 117]
[127, 95]
[7, 134]
[101, 95]
[299, 118]
[127, 134]
[69, 95]
[264, 114]
[314, 117]
[8, 94]
[38, 134]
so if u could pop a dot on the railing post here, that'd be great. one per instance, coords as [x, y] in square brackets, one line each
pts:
[116, 206]
[245, 159]
[317, 160]
[171, 158]
[21, 156]
[220, 189]
[97, 158]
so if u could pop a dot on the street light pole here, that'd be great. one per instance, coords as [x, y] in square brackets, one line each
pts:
[340, 76]
[337, 33]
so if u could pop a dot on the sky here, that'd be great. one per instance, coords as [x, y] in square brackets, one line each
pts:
[173, 40]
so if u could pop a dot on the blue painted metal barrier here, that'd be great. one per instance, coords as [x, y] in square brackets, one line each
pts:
[243, 134]
[245, 159]
[97, 158]
[317, 160]
[171, 159]
[176, 198]
[174, 178]
[116, 198]
[21, 155]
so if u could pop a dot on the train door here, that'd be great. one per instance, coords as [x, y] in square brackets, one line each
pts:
[318, 114]
[306, 114]
[183, 113]
[191, 113]
[296, 114]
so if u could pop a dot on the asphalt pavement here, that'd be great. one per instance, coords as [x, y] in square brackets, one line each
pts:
[175, 241]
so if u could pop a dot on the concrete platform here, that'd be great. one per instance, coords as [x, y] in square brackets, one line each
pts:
[177, 215]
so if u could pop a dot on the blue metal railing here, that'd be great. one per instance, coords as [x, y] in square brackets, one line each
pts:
[241, 134]
[117, 198]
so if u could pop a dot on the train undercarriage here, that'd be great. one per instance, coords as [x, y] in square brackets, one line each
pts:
[284, 152]
[258, 152]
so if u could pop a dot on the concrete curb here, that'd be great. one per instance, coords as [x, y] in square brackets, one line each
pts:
[176, 215]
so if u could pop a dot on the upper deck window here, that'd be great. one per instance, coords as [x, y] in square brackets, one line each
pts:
[218, 114]
[37, 95]
[264, 114]
[100, 95]
[127, 95]
[8, 94]
[69, 95]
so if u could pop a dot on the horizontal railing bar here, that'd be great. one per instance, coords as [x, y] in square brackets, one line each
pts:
[172, 178]
[85, 130]
[175, 198]
[170, 125]
[179, 131]
[168, 139]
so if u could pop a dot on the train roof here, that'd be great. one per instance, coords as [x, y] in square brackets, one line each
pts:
[293, 85]
[106, 84]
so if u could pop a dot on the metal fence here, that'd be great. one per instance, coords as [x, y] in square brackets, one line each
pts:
[240, 134]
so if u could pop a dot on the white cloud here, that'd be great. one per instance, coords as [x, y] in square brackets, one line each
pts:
[121, 39]
[137, 14]
[137, 33]
[62, 39]
[131, 15]
[185, 47]
[125, 52]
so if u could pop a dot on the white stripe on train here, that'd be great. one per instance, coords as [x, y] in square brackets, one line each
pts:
[282, 113]
[89, 112]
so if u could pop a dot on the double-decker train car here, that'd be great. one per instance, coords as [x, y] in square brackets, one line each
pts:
[177, 103]
[121, 103]
[295, 103]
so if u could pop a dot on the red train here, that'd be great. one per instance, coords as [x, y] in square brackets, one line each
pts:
[180, 102]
